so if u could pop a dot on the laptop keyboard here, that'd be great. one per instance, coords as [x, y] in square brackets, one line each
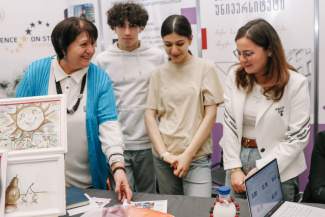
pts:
[296, 211]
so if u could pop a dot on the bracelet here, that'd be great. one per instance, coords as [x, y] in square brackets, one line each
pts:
[164, 155]
[118, 168]
[235, 169]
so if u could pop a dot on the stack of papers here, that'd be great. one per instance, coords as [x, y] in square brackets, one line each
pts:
[157, 208]
[157, 205]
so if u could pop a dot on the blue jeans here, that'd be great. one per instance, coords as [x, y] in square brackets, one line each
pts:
[140, 171]
[197, 182]
[248, 157]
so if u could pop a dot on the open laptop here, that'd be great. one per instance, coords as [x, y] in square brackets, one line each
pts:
[265, 198]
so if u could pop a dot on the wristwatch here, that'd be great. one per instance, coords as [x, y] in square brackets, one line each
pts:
[117, 160]
[164, 155]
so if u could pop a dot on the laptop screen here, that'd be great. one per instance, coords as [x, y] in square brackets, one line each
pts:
[263, 189]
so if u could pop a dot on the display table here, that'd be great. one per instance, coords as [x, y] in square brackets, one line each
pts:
[179, 206]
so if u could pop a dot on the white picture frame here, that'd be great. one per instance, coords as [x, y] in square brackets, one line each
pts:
[33, 125]
[41, 183]
[3, 173]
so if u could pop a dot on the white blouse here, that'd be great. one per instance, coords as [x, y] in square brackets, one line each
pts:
[252, 104]
[77, 167]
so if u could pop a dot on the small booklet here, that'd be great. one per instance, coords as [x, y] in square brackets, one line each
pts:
[75, 198]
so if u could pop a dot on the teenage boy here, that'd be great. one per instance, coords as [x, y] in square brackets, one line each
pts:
[129, 64]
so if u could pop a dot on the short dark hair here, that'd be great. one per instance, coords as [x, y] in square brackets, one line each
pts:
[66, 32]
[134, 13]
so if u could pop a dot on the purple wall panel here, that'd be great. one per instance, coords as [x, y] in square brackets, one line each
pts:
[190, 14]
[217, 132]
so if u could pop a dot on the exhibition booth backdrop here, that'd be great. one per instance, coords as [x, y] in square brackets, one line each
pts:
[26, 26]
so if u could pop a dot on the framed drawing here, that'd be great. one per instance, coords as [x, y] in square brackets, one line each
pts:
[35, 186]
[33, 125]
[3, 172]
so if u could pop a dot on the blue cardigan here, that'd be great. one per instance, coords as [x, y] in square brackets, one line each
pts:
[100, 107]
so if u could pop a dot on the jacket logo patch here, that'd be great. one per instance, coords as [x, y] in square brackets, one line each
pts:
[280, 110]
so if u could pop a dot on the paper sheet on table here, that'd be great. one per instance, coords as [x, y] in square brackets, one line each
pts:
[101, 202]
[94, 203]
[157, 205]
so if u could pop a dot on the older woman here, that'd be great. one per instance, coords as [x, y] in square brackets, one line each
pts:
[93, 129]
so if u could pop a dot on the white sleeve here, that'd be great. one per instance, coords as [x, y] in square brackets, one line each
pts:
[111, 137]
[229, 142]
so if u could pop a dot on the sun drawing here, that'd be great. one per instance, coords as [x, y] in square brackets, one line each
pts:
[29, 118]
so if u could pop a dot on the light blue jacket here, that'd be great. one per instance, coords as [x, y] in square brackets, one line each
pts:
[100, 108]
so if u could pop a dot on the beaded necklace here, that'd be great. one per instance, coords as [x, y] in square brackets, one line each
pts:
[75, 107]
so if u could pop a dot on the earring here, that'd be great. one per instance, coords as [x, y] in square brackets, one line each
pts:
[64, 57]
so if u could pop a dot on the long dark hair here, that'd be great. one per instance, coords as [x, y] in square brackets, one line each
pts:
[178, 24]
[277, 75]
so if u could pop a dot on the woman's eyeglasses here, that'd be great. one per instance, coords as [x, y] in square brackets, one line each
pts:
[247, 55]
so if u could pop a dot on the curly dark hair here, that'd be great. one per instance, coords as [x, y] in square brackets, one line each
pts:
[134, 13]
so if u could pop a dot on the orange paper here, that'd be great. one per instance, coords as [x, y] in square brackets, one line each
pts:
[141, 212]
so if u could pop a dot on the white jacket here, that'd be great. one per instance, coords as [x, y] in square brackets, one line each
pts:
[130, 73]
[282, 128]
